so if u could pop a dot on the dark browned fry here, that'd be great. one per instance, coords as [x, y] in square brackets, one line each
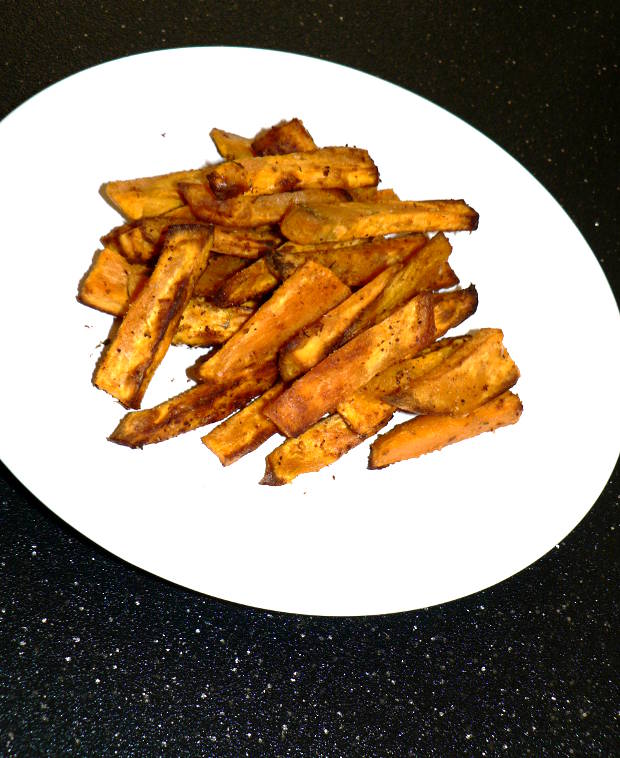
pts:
[285, 137]
[251, 283]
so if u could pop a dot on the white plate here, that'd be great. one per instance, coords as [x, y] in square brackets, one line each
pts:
[347, 540]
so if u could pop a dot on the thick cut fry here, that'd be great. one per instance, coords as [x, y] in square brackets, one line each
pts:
[479, 369]
[251, 283]
[144, 335]
[325, 168]
[246, 243]
[111, 282]
[219, 268]
[424, 434]
[316, 223]
[452, 308]
[285, 137]
[148, 196]
[231, 147]
[196, 407]
[403, 334]
[428, 269]
[204, 324]
[300, 300]
[320, 445]
[243, 432]
[354, 262]
[247, 211]
[309, 346]
[373, 195]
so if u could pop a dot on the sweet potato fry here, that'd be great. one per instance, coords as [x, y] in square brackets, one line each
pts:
[148, 196]
[354, 262]
[251, 283]
[243, 432]
[316, 223]
[111, 282]
[219, 268]
[373, 195]
[247, 211]
[285, 137]
[479, 369]
[143, 337]
[427, 269]
[402, 334]
[300, 300]
[325, 168]
[231, 147]
[204, 324]
[321, 444]
[424, 434]
[453, 307]
[201, 405]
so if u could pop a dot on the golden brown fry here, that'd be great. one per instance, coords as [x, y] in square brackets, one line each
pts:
[143, 337]
[111, 282]
[300, 300]
[251, 283]
[309, 346]
[231, 146]
[243, 432]
[196, 407]
[148, 196]
[479, 369]
[402, 334]
[316, 223]
[325, 168]
[248, 211]
[373, 195]
[204, 324]
[285, 137]
[246, 243]
[424, 434]
[427, 269]
[321, 444]
[218, 269]
[453, 307]
[354, 262]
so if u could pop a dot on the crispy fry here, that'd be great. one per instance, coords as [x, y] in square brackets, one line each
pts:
[326, 168]
[316, 223]
[402, 334]
[427, 269]
[245, 211]
[148, 196]
[321, 444]
[424, 434]
[219, 268]
[453, 307]
[285, 137]
[111, 282]
[300, 300]
[231, 147]
[373, 195]
[246, 243]
[251, 283]
[196, 407]
[147, 329]
[478, 369]
[355, 262]
[204, 324]
[244, 431]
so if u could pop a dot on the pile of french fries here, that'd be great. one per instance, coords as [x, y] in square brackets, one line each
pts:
[324, 300]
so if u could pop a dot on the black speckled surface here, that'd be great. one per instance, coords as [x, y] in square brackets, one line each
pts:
[99, 659]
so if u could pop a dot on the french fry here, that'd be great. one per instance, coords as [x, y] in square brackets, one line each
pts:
[401, 335]
[251, 283]
[424, 434]
[246, 243]
[324, 168]
[245, 211]
[478, 369]
[219, 268]
[231, 147]
[355, 262]
[111, 282]
[300, 300]
[321, 444]
[204, 324]
[146, 331]
[243, 432]
[373, 195]
[285, 137]
[198, 406]
[453, 307]
[148, 196]
[317, 223]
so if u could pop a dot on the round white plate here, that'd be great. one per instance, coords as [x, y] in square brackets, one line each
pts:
[345, 541]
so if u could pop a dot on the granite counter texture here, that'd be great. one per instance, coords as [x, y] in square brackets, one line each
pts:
[100, 659]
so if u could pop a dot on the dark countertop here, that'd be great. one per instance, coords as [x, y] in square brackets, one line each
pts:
[98, 658]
